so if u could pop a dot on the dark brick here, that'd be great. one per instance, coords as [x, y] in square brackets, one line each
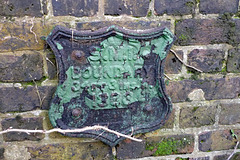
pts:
[233, 61]
[137, 8]
[52, 66]
[83, 151]
[130, 149]
[2, 150]
[236, 156]
[218, 6]
[21, 8]
[17, 35]
[207, 60]
[22, 123]
[127, 24]
[172, 64]
[174, 7]
[221, 88]
[22, 99]
[77, 8]
[199, 158]
[217, 140]
[156, 146]
[229, 113]
[21, 66]
[207, 31]
[179, 90]
[197, 116]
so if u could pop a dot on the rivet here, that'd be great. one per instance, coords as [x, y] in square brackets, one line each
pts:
[76, 112]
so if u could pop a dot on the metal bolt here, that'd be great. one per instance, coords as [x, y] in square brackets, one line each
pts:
[148, 108]
[78, 54]
[76, 112]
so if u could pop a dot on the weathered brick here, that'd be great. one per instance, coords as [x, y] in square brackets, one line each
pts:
[137, 8]
[127, 24]
[199, 158]
[77, 8]
[156, 146]
[21, 8]
[207, 31]
[172, 64]
[197, 116]
[83, 151]
[173, 7]
[236, 156]
[22, 99]
[233, 61]
[2, 153]
[207, 60]
[52, 66]
[221, 88]
[21, 66]
[218, 6]
[229, 113]
[217, 140]
[22, 123]
[18, 36]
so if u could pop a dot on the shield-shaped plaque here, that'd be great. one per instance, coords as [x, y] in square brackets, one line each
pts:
[110, 77]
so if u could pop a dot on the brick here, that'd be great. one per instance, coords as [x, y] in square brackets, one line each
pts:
[236, 156]
[77, 8]
[207, 31]
[233, 61]
[21, 66]
[126, 24]
[20, 99]
[178, 90]
[207, 60]
[21, 8]
[172, 64]
[199, 158]
[217, 140]
[173, 7]
[156, 146]
[218, 6]
[197, 116]
[16, 36]
[22, 123]
[2, 150]
[20, 151]
[229, 114]
[220, 88]
[83, 151]
[52, 66]
[137, 8]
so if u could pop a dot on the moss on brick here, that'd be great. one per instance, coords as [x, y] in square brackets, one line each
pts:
[167, 146]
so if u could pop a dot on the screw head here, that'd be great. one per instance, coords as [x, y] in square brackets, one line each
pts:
[76, 112]
[148, 108]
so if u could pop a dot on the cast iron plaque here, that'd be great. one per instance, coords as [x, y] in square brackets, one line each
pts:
[110, 77]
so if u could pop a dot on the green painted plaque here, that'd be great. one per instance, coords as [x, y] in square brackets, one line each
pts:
[110, 77]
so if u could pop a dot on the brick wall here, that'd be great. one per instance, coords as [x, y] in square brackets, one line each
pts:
[206, 105]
